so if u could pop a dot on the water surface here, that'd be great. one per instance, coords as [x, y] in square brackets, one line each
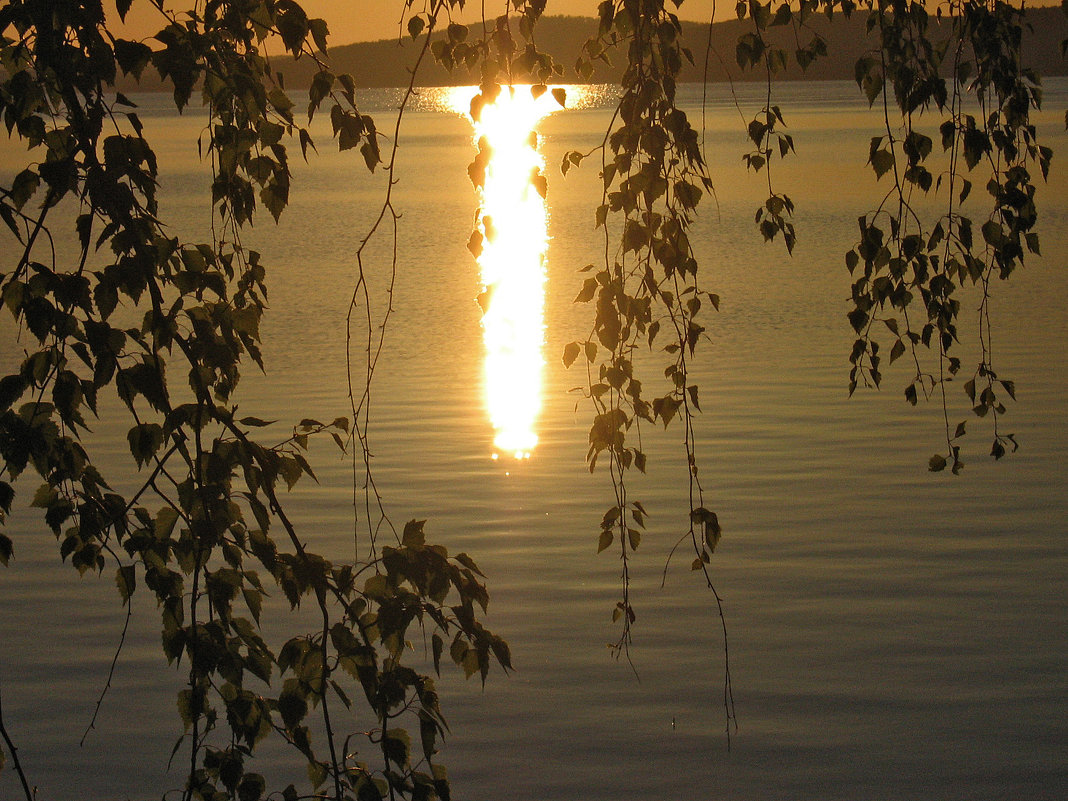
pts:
[893, 634]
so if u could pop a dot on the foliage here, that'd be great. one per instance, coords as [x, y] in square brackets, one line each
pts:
[963, 66]
[907, 264]
[984, 108]
[647, 290]
[163, 326]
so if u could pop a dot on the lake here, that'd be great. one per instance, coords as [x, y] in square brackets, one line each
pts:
[893, 633]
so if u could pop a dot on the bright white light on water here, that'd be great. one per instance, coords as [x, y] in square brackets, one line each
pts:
[514, 242]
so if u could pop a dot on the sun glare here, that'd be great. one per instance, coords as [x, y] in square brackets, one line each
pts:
[514, 239]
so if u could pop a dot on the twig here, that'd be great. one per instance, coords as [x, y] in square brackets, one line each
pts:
[111, 673]
[14, 754]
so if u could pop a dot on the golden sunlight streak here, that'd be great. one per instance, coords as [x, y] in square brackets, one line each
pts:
[510, 244]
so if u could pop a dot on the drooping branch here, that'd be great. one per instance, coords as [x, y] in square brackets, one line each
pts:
[13, 750]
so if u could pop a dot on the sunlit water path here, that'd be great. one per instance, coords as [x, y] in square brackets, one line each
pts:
[895, 635]
[510, 242]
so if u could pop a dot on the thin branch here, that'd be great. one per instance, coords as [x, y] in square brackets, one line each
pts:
[14, 751]
[111, 673]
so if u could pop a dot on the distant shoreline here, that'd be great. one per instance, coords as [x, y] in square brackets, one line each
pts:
[387, 63]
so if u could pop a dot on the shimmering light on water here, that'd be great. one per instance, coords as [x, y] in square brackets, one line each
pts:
[894, 634]
[512, 225]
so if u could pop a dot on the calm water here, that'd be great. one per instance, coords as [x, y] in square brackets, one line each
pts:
[894, 634]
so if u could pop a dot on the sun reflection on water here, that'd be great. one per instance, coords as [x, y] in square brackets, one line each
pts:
[510, 244]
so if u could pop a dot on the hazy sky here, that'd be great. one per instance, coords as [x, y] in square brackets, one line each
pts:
[368, 20]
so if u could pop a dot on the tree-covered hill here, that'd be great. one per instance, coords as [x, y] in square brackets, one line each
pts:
[387, 63]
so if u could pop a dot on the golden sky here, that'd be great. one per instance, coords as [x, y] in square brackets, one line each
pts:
[369, 20]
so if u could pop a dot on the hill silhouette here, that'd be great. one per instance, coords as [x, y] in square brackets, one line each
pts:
[388, 63]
